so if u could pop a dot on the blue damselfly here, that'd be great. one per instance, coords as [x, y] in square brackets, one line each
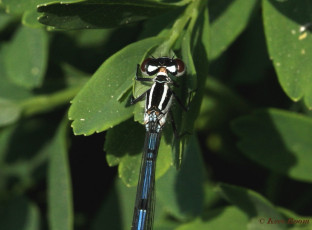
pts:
[158, 100]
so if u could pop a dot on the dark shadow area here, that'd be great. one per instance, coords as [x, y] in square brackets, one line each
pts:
[108, 216]
[213, 214]
[92, 178]
[14, 213]
[31, 135]
[125, 138]
[189, 181]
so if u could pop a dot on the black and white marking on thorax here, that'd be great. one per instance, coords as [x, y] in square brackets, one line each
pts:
[159, 96]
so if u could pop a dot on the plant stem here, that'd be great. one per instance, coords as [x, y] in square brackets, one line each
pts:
[44, 103]
[191, 13]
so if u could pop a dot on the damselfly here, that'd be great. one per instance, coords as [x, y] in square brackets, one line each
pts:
[158, 100]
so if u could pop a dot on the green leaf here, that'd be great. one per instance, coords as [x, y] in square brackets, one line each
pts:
[126, 138]
[19, 7]
[278, 140]
[299, 222]
[8, 89]
[167, 224]
[259, 210]
[184, 120]
[59, 183]
[27, 8]
[91, 14]
[206, 30]
[96, 107]
[228, 20]
[30, 18]
[10, 112]
[19, 214]
[190, 81]
[220, 219]
[188, 60]
[191, 92]
[290, 45]
[25, 59]
[176, 187]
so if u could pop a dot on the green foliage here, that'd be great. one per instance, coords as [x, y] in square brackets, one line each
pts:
[256, 206]
[175, 187]
[29, 48]
[59, 184]
[89, 14]
[243, 160]
[220, 218]
[289, 45]
[227, 22]
[109, 84]
[20, 213]
[278, 140]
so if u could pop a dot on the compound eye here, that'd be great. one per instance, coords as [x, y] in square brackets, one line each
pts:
[145, 65]
[180, 67]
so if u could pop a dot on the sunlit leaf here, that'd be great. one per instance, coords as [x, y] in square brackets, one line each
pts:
[220, 219]
[259, 210]
[278, 140]
[97, 106]
[289, 39]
